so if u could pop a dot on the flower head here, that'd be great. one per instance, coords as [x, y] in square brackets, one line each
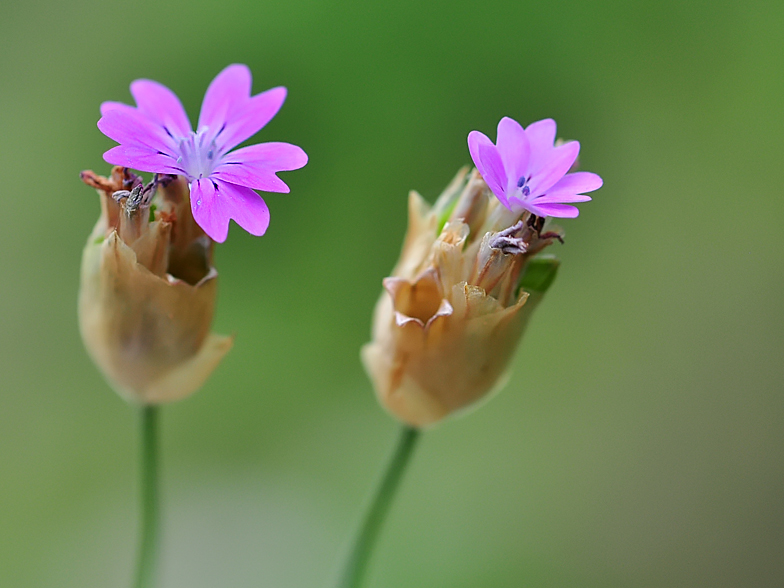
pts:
[156, 136]
[453, 310]
[526, 170]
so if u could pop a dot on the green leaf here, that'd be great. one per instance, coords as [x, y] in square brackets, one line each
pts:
[539, 274]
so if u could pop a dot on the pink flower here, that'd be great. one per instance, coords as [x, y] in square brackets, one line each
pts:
[526, 171]
[156, 136]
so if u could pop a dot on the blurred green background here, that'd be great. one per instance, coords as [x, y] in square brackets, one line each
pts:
[640, 440]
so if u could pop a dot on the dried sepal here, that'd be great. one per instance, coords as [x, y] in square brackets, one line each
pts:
[453, 311]
[146, 321]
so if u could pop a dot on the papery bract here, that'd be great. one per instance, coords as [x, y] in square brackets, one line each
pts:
[456, 304]
[148, 289]
[156, 136]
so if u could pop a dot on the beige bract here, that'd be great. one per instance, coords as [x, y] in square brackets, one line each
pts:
[457, 302]
[148, 291]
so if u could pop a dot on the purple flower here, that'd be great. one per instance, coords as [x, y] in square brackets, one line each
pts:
[526, 171]
[156, 136]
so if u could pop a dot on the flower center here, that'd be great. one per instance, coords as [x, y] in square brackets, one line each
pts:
[198, 156]
[522, 184]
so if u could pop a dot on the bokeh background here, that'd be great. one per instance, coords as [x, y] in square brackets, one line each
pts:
[639, 442]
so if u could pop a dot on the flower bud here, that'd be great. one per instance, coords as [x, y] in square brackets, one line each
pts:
[148, 290]
[457, 302]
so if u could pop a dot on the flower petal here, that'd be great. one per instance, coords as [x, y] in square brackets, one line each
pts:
[557, 163]
[279, 156]
[214, 202]
[128, 126]
[229, 89]
[488, 162]
[474, 139]
[246, 120]
[142, 159]
[576, 183]
[162, 106]
[541, 135]
[556, 210]
[514, 149]
[255, 166]
[107, 106]
[560, 198]
[495, 171]
[207, 211]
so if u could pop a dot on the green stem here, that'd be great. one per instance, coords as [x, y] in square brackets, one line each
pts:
[148, 545]
[362, 546]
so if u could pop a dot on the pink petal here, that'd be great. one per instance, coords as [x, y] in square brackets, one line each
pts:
[556, 210]
[162, 106]
[488, 162]
[558, 162]
[278, 156]
[496, 176]
[142, 159]
[560, 198]
[265, 180]
[214, 202]
[245, 121]
[107, 106]
[230, 89]
[128, 126]
[576, 183]
[541, 135]
[514, 148]
[474, 139]
[255, 166]
[207, 211]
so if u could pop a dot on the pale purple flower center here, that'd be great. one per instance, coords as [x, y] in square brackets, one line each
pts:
[198, 154]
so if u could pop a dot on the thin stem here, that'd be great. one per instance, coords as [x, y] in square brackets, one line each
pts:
[148, 545]
[362, 546]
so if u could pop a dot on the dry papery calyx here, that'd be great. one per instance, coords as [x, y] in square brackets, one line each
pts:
[148, 289]
[454, 309]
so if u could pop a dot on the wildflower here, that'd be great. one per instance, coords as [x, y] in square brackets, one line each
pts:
[156, 136]
[148, 289]
[470, 274]
[453, 310]
[526, 170]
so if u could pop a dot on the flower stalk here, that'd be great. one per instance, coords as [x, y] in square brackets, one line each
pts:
[149, 538]
[362, 547]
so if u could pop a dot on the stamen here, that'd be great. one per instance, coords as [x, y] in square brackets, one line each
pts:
[130, 179]
[139, 197]
[508, 243]
[522, 183]
[120, 194]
